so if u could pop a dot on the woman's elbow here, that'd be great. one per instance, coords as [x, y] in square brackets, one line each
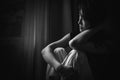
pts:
[76, 45]
[73, 44]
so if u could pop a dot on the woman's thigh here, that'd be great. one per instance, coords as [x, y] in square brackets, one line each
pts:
[78, 60]
[83, 66]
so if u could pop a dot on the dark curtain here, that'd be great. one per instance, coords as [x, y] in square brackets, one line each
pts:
[27, 26]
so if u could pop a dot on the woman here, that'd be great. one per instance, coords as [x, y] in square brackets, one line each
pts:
[74, 65]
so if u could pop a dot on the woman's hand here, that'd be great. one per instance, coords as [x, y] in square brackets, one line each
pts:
[65, 71]
[60, 54]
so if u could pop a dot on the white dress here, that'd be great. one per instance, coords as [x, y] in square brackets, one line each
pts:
[77, 60]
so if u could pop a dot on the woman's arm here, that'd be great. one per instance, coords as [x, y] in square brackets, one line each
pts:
[48, 51]
[81, 39]
[81, 42]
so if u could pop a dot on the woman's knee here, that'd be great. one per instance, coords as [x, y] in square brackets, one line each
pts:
[59, 50]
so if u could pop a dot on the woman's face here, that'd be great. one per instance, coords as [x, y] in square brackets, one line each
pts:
[83, 24]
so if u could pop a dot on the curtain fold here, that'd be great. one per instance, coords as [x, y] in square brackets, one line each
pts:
[34, 37]
[43, 24]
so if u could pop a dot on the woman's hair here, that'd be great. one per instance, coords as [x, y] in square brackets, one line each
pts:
[94, 11]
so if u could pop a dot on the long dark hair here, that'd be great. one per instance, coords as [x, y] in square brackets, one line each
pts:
[94, 12]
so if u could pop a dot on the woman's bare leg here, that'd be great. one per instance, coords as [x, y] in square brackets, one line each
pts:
[78, 60]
